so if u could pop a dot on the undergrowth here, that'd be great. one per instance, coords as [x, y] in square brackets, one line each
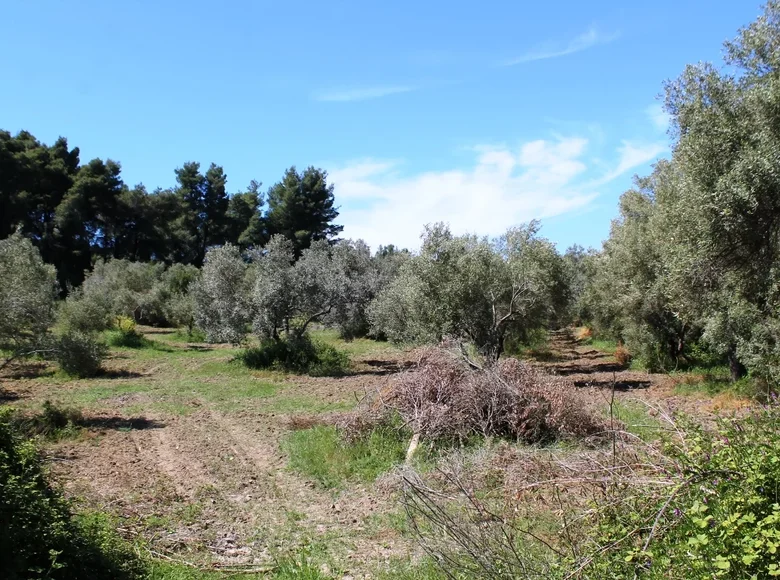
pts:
[40, 537]
[299, 355]
[53, 422]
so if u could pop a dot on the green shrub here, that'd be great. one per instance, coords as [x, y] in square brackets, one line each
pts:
[125, 334]
[718, 517]
[80, 354]
[299, 355]
[39, 536]
[53, 422]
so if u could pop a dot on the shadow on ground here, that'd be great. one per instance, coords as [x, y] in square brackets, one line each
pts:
[120, 423]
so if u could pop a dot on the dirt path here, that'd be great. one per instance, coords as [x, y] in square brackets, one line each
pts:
[213, 487]
[597, 371]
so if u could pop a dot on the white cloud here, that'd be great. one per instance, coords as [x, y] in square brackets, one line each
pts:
[590, 38]
[344, 95]
[632, 155]
[504, 187]
[658, 116]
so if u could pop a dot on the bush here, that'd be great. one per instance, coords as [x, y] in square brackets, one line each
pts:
[39, 536]
[719, 519]
[702, 503]
[126, 334]
[444, 398]
[622, 356]
[300, 355]
[80, 354]
[52, 422]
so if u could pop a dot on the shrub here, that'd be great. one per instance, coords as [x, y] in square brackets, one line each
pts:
[702, 503]
[80, 354]
[116, 288]
[126, 334]
[444, 398]
[52, 422]
[719, 518]
[622, 356]
[39, 536]
[301, 355]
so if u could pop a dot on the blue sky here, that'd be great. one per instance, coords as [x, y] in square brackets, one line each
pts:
[481, 114]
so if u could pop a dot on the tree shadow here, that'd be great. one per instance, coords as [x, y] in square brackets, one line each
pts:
[199, 347]
[27, 370]
[620, 384]
[587, 369]
[120, 423]
[118, 374]
[8, 396]
[383, 367]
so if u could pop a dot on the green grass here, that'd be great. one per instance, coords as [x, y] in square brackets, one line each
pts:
[403, 569]
[637, 419]
[715, 381]
[320, 454]
[285, 570]
[601, 344]
[359, 347]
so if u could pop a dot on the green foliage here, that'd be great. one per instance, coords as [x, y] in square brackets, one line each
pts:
[693, 257]
[222, 302]
[301, 208]
[720, 519]
[53, 422]
[472, 289]
[27, 295]
[300, 355]
[39, 536]
[80, 354]
[321, 454]
[126, 334]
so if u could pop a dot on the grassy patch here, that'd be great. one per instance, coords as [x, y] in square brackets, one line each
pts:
[715, 381]
[403, 569]
[358, 347]
[637, 419]
[182, 335]
[602, 344]
[320, 453]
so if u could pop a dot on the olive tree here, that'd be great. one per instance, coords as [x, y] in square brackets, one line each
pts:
[473, 289]
[222, 296]
[115, 288]
[288, 295]
[27, 297]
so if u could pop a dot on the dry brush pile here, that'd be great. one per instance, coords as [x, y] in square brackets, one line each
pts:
[444, 398]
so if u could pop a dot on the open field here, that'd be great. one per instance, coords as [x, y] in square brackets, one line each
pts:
[188, 448]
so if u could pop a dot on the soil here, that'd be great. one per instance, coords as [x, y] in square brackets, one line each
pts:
[212, 487]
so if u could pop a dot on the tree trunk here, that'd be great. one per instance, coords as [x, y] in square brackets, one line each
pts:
[736, 368]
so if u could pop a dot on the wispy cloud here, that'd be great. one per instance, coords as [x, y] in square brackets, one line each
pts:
[632, 155]
[658, 116]
[344, 95]
[590, 38]
[503, 187]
